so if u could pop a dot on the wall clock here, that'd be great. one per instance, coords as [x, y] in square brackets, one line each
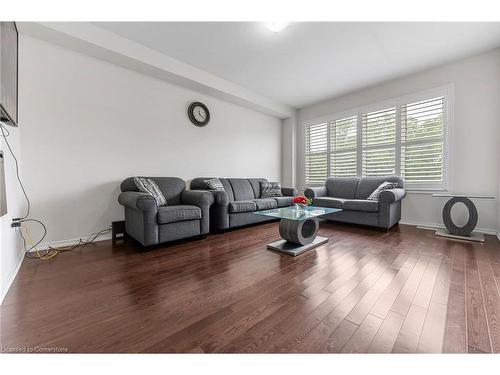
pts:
[198, 114]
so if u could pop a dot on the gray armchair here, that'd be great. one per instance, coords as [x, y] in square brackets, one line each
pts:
[185, 215]
[350, 193]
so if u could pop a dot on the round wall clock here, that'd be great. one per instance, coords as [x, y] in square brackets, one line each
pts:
[198, 114]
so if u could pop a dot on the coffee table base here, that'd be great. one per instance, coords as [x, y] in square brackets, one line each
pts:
[293, 249]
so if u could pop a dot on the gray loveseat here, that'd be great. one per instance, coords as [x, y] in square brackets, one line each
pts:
[235, 206]
[186, 214]
[350, 193]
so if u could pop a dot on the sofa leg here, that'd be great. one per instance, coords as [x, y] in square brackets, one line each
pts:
[203, 236]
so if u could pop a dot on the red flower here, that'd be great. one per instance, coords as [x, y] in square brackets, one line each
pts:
[300, 199]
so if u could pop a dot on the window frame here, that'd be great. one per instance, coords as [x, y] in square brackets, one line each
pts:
[447, 91]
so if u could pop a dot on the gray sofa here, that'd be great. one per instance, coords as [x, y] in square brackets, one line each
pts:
[186, 214]
[350, 195]
[235, 206]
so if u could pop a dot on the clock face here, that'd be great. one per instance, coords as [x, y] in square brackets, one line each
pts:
[198, 114]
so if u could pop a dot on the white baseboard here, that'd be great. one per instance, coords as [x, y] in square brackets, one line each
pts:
[11, 279]
[441, 226]
[45, 245]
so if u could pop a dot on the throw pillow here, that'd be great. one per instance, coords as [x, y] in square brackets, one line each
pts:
[270, 189]
[148, 186]
[214, 184]
[383, 186]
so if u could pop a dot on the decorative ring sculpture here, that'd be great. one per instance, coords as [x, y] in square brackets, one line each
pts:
[467, 229]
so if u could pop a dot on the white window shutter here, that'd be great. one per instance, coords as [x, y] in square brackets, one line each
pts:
[316, 154]
[422, 141]
[379, 143]
[343, 143]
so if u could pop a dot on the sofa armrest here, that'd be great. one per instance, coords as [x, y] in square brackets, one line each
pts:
[315, 192]
[289, 191]
[200, 198]
[392, 195]
[220, 198]
[138, 201]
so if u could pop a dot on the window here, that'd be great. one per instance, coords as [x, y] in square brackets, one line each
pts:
[422, 141]
[343, 140]
[316, 154]
[379, 143]
[405, 136]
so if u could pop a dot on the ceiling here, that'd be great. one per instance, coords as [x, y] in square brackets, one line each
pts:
[310, 61]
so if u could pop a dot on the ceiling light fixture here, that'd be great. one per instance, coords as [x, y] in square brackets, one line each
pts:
[276, 27]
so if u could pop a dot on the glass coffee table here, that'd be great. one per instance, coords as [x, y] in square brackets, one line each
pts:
[298, 229]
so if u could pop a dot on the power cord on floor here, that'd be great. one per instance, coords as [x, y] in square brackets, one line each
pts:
[50, 252]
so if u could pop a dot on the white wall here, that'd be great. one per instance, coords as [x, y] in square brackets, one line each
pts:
[474, 162]
[88, 124]
[11, 253]
[289, 151]
[498, 154]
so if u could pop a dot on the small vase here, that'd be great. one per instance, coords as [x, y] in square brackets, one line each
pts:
[301, 207]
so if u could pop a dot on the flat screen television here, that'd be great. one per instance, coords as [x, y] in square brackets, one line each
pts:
[8, 72]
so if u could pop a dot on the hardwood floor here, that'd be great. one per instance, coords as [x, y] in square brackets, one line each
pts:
[365, 291]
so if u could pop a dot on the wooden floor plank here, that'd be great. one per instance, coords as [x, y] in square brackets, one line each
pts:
[425, 289]
[404, 300]
[431, 339]
[478, 340]
[364, 291]
[359, 313]
[406, 342]
[387, 334]
[386, 300]
[455, 337]
[362, 338]
[491, 299]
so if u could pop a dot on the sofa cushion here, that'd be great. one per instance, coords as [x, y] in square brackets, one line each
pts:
[342, 187]
[172, 214]
[242, 189]
[148, 186]
[214, 184]
[328, 202]
[360, 205]
[242, 206]
[367, 185]
[270, 189]
[283, 201]
[171, 187]
[386, 185]
[255, 183]
[199, 183]
[265, 203]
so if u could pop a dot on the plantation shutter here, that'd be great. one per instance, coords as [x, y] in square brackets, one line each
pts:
[422, 141]
[316, 154]
[379, 143]
[343, 134]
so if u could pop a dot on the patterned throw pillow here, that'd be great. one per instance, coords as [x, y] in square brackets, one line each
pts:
[383, 186]
[214, 184]
[148, 186]
[270, 189]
